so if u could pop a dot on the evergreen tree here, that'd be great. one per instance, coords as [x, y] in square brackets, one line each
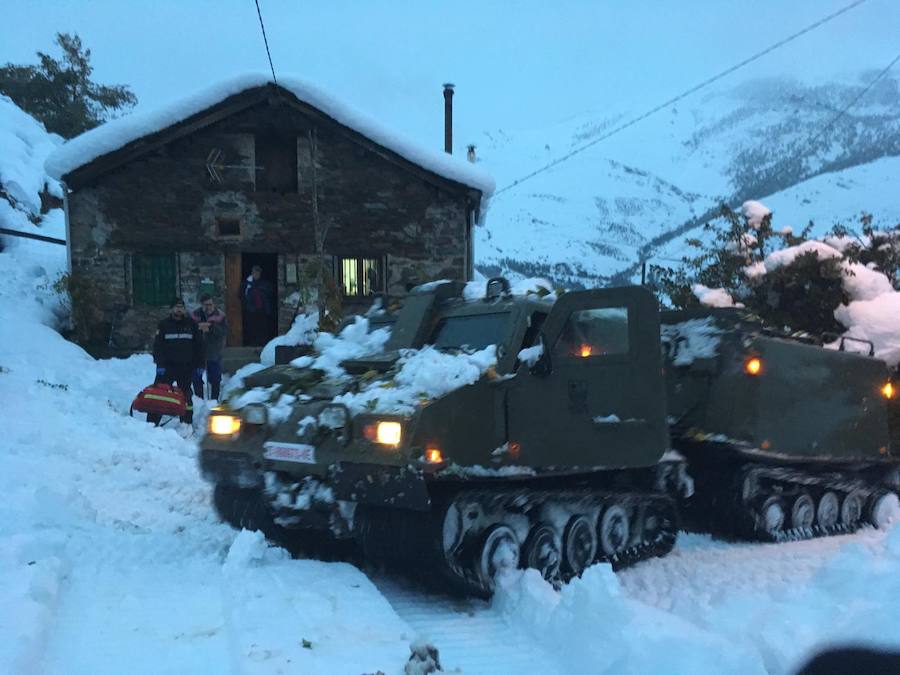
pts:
[60, 92]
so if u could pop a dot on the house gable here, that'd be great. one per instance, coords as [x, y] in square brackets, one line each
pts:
[100, 150]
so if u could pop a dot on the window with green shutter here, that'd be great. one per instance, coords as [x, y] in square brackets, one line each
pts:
[153, 278]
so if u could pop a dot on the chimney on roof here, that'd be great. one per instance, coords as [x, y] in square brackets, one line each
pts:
[448, 118]
[470, 154]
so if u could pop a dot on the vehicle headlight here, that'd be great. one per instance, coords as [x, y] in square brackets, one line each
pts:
[384, 432]
[255, 413]
[388, 433]
[223, 424]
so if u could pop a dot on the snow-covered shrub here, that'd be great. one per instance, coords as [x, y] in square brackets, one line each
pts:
[790, 281]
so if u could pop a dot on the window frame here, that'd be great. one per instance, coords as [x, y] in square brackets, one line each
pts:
[226, 220]
[605, 357]
[272, 142]
[151, 266]
[360, 274]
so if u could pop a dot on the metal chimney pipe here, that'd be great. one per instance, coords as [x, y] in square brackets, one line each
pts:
[448, 118]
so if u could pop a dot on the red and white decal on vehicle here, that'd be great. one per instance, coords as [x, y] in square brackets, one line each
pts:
[290, 452]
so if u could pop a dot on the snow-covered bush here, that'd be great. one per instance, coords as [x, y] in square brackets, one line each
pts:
[790, 281]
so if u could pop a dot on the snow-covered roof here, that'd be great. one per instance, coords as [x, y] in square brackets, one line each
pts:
[117, 133]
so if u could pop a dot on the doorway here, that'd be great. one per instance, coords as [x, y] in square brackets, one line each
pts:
[252, 328]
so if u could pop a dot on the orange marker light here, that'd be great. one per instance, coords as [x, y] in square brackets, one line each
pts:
[585, 351]
[433, 456]
[753, 366]
[888, 390]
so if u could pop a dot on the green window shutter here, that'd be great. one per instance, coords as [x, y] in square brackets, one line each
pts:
[153, 278]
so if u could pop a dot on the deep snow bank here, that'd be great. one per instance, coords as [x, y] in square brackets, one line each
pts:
[111, 557]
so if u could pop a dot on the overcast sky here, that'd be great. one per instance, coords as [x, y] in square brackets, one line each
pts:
[516, 65]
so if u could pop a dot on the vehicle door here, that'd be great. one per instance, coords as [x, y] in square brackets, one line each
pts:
[595, 398]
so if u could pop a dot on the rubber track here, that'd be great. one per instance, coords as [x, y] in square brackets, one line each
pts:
[413, 541]
[794, 479]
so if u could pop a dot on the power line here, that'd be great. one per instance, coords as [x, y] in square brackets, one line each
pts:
[839, 114]
[266, 41]
[852, 103]
[682, 95]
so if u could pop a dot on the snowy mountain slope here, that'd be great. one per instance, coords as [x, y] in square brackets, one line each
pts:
[591, 218]
[829, 199]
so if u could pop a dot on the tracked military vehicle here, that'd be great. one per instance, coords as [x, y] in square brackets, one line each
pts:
[784, 439]
[561, 433]
[540, 439]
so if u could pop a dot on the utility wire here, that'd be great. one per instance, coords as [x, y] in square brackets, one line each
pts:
[839, 114]
[682, 95]
[266, 41]
[852, 103]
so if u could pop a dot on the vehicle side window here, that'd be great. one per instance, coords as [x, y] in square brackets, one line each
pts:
[594, 332]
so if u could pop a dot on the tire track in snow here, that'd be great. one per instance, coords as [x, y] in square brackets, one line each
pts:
[471, 637]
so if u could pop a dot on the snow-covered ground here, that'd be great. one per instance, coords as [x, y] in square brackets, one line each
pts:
[112, 560]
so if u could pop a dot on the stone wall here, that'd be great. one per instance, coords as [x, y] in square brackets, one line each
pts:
[168, 201]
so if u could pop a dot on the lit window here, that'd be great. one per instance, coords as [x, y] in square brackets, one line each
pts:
[360, 276]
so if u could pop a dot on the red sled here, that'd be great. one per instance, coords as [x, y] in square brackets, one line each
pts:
[160, 399]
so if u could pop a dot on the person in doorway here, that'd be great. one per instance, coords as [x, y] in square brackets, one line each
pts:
[213, 330]
[177, 352]
[257, 302]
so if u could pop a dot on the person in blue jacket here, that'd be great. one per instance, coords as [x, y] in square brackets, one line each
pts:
[258, 305]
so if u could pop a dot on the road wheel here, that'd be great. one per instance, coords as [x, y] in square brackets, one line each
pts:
[828, 510]
[803, 512]
[772, 516]
[883, 509]
[579, 545]
[852, 509]
[613, 530]
[499, 551]
[542, 551]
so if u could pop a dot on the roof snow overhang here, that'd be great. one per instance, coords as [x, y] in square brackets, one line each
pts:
[95, 152]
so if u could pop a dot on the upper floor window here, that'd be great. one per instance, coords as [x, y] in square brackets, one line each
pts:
[276, 163]
[360, 276]
[228, 227]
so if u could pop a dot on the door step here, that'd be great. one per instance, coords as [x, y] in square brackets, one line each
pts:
[237, 357]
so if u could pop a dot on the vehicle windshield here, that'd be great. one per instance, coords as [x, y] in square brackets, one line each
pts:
[474, 331]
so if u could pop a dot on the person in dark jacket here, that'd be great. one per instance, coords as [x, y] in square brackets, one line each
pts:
[257, 301]
[178, 352]
[213, 330]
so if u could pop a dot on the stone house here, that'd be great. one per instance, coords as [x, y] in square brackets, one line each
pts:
[187, 199]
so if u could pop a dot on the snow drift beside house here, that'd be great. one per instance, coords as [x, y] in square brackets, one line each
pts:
[24, 146]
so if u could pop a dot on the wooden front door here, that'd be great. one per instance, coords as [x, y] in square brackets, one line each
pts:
[233, 299]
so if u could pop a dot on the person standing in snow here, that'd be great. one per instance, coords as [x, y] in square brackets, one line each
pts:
[177, 352]
[256, 298]
[213, 329]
